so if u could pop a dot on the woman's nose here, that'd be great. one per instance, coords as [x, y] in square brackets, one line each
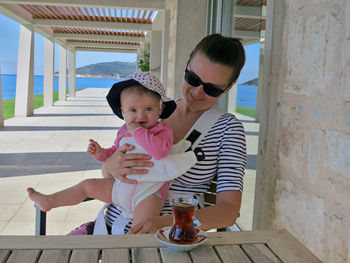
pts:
[198, 91]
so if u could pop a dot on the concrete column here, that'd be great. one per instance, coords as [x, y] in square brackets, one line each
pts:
[261, 80]
[156, 52]
[71, 72]
[1, 109]
[165, 50]
[227, 10]
[25, 69]
[62, 82]
[186, 30]
[232, 98]
[48, 72]
[266, 171]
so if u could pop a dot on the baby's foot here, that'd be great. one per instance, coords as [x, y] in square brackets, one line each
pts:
[39, 198]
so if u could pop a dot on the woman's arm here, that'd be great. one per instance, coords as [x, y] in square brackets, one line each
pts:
[223, 214]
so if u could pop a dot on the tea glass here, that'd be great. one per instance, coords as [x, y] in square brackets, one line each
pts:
[183, 230]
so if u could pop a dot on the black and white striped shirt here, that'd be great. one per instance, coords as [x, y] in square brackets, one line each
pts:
[224, 147]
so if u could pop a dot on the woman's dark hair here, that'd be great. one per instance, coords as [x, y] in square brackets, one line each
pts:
[227, 51]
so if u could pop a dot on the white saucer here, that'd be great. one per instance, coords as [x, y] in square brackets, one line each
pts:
[162, 236]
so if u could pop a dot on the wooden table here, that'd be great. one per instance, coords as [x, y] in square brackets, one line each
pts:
[246, 246]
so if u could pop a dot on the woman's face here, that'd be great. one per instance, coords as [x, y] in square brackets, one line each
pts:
[209, 72]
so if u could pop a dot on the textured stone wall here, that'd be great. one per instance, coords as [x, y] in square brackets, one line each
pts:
[311, 133]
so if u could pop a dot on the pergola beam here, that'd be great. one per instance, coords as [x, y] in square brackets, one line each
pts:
[98, 37]
[100, 45]
[25, 18]
[132, 4]
[115, 50]
[247, 12]
[91, 24]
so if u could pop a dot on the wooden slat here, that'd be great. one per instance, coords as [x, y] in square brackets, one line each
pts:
[171, 256]
[84, 256]
[23, 256]
[4, 254]
[232, 253]
[203, 254]
[115, 255]
[145, 255]
[55, 256]
[289, 249]
[124, 241]
[260, 253]
[242, 237]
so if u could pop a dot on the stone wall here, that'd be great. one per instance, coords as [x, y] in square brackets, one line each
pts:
[304, 149]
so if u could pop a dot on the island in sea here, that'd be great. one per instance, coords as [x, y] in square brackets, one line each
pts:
[115, 69]
[252, 82]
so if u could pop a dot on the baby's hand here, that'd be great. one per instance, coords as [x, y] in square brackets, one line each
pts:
[94, 149]
[132, 127]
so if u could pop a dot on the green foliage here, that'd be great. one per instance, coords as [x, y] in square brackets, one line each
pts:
[143, 63]
[8, 108]
[246, 111]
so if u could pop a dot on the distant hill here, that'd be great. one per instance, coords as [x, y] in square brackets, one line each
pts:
[252, 82]
[116, 68]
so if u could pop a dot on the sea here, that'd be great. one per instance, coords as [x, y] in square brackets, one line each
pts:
[246, 95]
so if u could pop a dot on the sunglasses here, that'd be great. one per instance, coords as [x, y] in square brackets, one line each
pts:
[209, 89]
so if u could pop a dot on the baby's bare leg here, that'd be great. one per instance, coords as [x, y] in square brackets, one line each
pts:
[100, 189]
[148, 207]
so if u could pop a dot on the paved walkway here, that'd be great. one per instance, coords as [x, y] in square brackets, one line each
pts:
[47, 151]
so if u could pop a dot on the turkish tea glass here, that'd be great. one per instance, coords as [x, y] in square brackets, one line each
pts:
[183, 230]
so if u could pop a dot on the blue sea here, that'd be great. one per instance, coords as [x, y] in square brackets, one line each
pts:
[246, 95]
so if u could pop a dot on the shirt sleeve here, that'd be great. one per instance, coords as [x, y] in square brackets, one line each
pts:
[107, 152]
[156, 141]
[232, 157]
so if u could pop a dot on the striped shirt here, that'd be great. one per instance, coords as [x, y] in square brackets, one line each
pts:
[224, 147]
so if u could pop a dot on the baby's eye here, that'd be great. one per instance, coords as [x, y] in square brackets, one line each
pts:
[149, 109]
[132, 110]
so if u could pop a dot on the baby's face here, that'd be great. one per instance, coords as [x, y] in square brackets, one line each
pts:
[143, 109]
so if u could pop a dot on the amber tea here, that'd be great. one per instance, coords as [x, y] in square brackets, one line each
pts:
[183, 230]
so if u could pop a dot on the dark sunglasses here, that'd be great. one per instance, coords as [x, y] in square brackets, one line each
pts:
[209, 89]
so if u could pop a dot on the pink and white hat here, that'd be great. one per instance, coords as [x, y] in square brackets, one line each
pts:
[146, 80]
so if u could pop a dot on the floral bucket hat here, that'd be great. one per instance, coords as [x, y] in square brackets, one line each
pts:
[146, 80]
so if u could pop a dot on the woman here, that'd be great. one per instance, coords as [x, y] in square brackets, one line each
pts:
[213, 68]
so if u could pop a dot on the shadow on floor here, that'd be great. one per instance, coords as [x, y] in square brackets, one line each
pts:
[250, 133]
[248, 121]
[22, 164]
[251, 162]
[82, 105]
[55, 128]
[71, 114]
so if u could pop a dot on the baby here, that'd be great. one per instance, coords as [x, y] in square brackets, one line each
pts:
[140, 100]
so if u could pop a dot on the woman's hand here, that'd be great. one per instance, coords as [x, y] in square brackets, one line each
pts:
[151, 225]
[118, 165]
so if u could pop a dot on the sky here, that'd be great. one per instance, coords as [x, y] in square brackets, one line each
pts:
[9, 36]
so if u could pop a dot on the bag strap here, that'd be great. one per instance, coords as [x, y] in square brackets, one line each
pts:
[203, 125]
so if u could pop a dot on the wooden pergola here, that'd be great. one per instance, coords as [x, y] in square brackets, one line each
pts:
[123, 26]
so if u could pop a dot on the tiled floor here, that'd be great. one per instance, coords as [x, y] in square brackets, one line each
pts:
[47, 151]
